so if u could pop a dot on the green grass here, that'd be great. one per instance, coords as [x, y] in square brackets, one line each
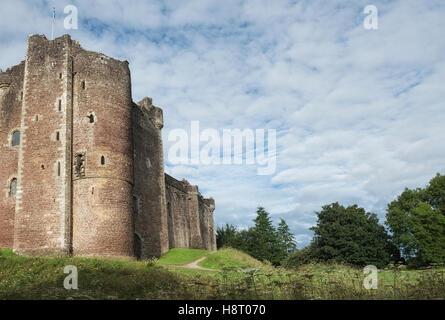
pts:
[191, 273]
[230, 258]
[42, 278]
[179, 256]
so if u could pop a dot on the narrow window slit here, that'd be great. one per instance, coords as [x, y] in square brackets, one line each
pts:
[13, 187]
[15, 141]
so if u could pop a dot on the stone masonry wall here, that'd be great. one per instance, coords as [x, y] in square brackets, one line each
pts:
[11, 88]
[208, 236]
[102, 156]
[190, 216]
[149, 207]
[178, 219]
[88, 168]
[39, 225]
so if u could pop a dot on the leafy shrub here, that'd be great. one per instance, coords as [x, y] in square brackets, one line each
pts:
[298, 258]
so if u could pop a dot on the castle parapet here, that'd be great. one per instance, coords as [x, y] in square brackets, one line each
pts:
[155, 114]
[5, 79]
[170, 181]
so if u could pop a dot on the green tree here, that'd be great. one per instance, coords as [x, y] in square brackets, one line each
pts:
[298, 258]
[350, 235]
[229, 236]
[398, 219]
[225, 235]
[417, 222]
[264, 243]
[286, 237]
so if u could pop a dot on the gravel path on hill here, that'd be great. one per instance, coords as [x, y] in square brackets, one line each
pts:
[193, 265]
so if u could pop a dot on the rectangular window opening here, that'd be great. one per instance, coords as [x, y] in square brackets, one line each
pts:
[79, 169]
[135, 205]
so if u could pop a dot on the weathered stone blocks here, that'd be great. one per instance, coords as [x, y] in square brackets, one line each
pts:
[87, 176]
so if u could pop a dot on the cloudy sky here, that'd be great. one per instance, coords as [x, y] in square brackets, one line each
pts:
[359, 114]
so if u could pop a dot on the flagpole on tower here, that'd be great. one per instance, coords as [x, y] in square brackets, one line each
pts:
[52, 24]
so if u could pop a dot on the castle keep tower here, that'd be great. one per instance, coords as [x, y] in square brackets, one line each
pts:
[41, 222]
[81, 164]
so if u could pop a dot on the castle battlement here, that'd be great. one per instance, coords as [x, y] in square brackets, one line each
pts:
[82, 164]
[5, 79]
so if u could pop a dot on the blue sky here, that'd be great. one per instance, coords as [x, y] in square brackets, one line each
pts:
[359, 113]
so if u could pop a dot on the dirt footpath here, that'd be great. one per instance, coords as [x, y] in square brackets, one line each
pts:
[193, 265]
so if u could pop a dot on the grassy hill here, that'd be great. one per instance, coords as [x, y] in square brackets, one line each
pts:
[180, 256]
[42, 278]
[230, 258]
[236, 276]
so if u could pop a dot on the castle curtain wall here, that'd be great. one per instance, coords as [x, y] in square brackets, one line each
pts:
[177, 209]
[190, 216]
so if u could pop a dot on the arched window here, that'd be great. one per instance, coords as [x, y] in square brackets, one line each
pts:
[102, 160]
[13, 187]
[15, 141]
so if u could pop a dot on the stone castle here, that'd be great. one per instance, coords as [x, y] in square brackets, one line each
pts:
[81, 164]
